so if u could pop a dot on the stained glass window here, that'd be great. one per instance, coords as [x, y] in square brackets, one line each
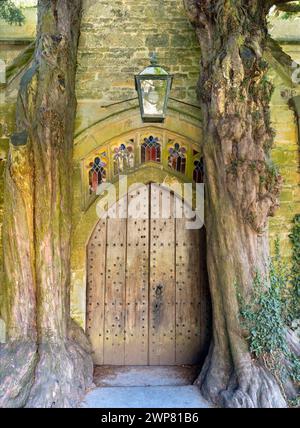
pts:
[198, 174]
[97, 174]
[151, 150]
[177, 158]
[123, 157]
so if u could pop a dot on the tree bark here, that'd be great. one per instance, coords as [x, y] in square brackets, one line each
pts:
[46, 361]
[242, 189]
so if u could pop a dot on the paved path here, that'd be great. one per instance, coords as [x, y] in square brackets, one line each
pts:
[147, 396]
[145, 386]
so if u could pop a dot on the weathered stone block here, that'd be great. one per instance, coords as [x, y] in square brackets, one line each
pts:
[157, 40]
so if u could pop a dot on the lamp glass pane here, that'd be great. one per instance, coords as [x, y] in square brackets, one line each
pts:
[153, 96]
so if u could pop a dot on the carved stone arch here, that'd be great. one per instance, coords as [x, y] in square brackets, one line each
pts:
[126, 153]
[116, 124]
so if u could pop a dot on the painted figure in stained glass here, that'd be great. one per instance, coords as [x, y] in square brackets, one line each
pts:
[123, 158]
[177, 158]
[198, 174]
[151, 150]
[97, 173]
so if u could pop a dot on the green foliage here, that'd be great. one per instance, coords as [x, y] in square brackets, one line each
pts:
[265, 320]
[11, 13]
[286, 16]
[294, 297]
[272, 169]
[295, 368]
[263, 316]
[295, 402]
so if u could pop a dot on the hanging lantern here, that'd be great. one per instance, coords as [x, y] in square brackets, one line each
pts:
[153, 85]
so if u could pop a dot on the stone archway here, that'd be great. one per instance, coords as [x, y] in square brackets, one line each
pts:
[147, 291]
[100, 142]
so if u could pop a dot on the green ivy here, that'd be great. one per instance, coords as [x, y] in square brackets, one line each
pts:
[264, 318]
[294, 295]
[295, 368]
[295, 402]
[11, 13]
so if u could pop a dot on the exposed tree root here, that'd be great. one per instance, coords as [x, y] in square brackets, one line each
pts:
[291, 389]
[51, 374]
[63, 373]
[18, 362]
[257, 387]
[260, 391]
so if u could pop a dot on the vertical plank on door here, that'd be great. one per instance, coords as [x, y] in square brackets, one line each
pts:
[95, 290]
[114, 344]
[137, 277]
[162, 279]
[188, 295]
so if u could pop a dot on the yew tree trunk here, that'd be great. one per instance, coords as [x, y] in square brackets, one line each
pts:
[46, 360]
[241, 188]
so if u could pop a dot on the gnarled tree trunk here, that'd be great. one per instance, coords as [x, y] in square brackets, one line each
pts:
[241, 188]
[46, 360]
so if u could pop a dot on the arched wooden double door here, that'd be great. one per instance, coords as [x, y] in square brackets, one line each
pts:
[147, 298]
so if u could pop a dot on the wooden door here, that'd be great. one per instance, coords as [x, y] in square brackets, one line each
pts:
[147, 298]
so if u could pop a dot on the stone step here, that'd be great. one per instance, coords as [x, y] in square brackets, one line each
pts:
[124, 376]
